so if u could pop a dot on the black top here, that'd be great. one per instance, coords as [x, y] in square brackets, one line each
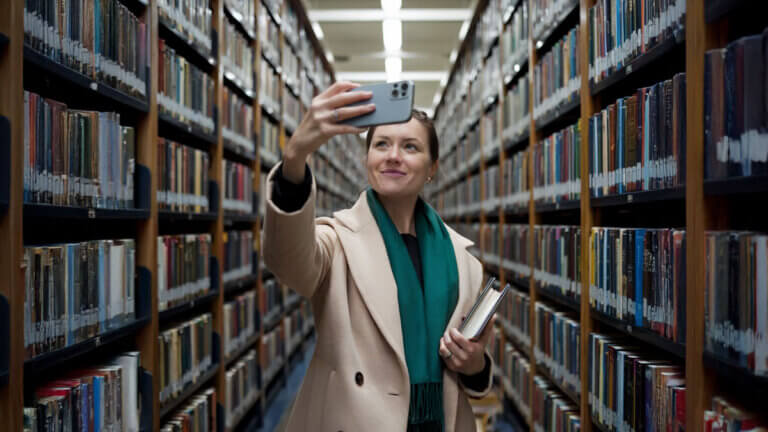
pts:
[290, 197]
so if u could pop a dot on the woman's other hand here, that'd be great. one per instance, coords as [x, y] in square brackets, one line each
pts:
[463, 355]
[321, 123]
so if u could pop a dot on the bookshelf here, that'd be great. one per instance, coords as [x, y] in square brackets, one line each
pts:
[22, 67]
[694, 203]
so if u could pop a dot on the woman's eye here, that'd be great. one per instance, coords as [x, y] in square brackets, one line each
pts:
[380, 144]
[411, 147]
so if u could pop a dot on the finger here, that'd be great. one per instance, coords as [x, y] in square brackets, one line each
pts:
[347, 98]
[443, 350]
[455, 348]
[349, 112]
[462, 342]
[336, 88]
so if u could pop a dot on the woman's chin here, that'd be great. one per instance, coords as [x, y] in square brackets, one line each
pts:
[393, 190]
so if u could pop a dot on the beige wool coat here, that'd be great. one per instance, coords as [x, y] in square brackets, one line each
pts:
[357, 379]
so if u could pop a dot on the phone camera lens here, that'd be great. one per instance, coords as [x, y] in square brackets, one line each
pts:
[404, 86]
[394, 92]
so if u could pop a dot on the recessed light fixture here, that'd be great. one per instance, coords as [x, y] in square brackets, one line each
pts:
[391, 6]
[393, 34]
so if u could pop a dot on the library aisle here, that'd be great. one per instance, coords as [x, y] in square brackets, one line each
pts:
[607, 158]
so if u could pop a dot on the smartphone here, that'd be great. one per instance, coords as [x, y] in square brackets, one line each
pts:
[394, 104]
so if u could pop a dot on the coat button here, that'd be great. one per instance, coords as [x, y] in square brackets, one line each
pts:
[359, 378]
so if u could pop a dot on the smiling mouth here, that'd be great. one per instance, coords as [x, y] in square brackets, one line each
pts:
[393, 173]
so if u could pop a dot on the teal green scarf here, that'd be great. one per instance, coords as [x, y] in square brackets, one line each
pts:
[432, 305]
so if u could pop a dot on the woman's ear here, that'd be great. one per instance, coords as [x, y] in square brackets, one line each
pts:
[433, 169]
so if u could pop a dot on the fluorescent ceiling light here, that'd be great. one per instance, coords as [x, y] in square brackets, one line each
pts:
[410, 14]
[393, 34]
[318, 30]
[329, 57]
[426, 76]
[444, 81]
[539, 44]
[391, 6]
[394, 68]
[463, 30]
[454, 54]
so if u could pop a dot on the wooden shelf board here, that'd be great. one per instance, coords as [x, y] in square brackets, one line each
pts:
[641, 334]
[186, 47]
[572, 304]
[188, 134]
[673, 194]
[171, 405]
[192, 306]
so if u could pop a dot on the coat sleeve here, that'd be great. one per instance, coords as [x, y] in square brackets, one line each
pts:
[294, 248]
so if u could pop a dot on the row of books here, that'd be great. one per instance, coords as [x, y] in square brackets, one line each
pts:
[330, 174]
[307, 89]
[182, 184]
[329, 203]
[183, 268]
[557, 259]
[100, 397]
[269, 146]
[489, 81]
[512, 248]
[290, 68]
[198, 414]
[237, 121]
[190, 18]
[269, 34]
[557, 346]
[547, 14]
[514, 313]
[515, 194]
[516, 372]
[244, 11]
[621, 31]
[238, 187]
[239, 321]
[293, 326]
[638, 275]
[242, 385]
[736, 306]
[76, 291]
[631, 391]
[464, 196]
[272, 351]
[557, 76]
[238, 255]
[550, 410]
[184, 92]
[556, 166]
[638, 142]
[725, 416]
[291, 110]
[491, 122]
[290, 25]
[514, 39]
[186, 353]
[271, 298]
[488, 27]
[101, 39]
[735, 110]
[269, 87]
[75, 157]
[237, 55]
[515, 114]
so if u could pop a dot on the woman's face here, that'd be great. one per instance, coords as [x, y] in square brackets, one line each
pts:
[398, 160]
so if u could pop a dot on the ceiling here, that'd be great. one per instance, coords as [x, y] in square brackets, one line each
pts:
[430, 33]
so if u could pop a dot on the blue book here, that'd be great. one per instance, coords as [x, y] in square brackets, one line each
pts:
[101, 275]
[98, 388]
[85, 412]
[620, 142]
[639, 266]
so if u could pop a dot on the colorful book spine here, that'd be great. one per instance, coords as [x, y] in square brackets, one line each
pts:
[516, 379]
[272, 352]
[239, 321]
[630, 391]
[547, 14]
[516, 117]
[191, 18]
[184, 92]
[550, 410]
[238, 255]
[242, 385]
[182, 177]
[557, 347]
[514, 316]
[515, 254]
[102, 397]
[556, 77]
[515, 191]
[736, 306]
[76, 158]
[735, 100]
[238, 187]
[271, 302]
[101, 39]
[198, 414]
[624, 30]
[183, 268]
[269, 87]
[269, 148]
[186, 353]
[557, 253]
[237, 121]
[556, 166]
[638, 143]
[726, 416]
[637, 276]
[76, 291]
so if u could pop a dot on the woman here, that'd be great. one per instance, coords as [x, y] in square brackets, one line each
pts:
[389, 283]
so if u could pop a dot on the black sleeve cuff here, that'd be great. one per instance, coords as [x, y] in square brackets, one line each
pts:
[290, 197]
[479, 381]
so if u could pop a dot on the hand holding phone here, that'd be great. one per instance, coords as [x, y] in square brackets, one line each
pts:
[393, 101]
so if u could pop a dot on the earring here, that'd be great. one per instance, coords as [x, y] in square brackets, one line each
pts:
[429, 179]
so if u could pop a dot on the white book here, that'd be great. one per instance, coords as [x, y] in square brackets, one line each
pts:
[116, 281]
[485, 306]
[129, 363]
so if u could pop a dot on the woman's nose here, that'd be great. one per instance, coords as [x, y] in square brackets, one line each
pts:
[394, 153]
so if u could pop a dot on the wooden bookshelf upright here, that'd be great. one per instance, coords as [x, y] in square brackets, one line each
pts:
[22, 224]
[699, 205]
